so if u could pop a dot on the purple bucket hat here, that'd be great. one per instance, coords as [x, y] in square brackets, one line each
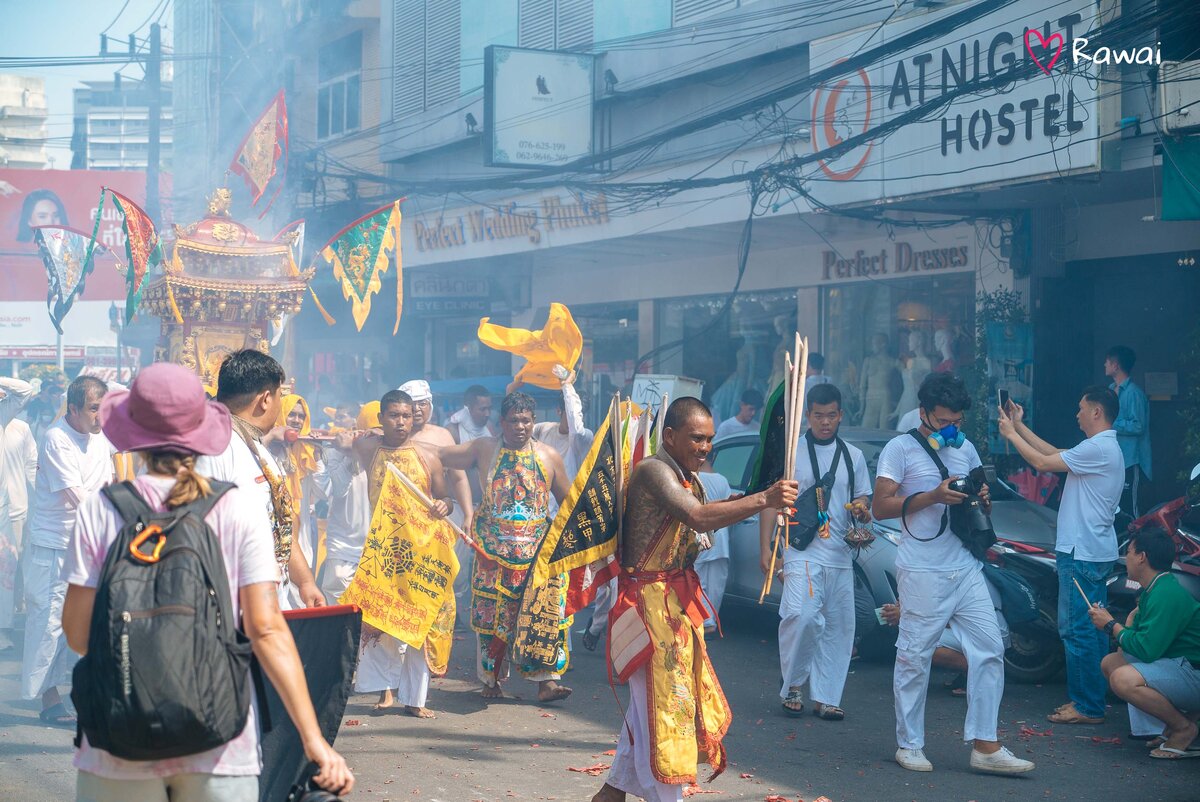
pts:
[165, 409]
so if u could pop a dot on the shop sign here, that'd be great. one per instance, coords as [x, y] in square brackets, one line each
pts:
[41, 353]
[537, 107]
[444, 295]
[901, 259]
[509, 220]
[1043, 123]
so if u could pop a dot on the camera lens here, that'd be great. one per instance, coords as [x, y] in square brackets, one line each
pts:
[961, 485]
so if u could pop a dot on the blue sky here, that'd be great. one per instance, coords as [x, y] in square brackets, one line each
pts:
[49, 28]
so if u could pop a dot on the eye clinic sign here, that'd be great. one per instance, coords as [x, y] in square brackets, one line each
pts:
[1042, 123]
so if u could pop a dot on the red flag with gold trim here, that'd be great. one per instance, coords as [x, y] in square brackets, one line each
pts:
[265, 143]
[141, 247]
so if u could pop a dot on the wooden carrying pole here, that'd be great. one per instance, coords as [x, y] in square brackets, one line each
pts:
[796, 379]
[428, 502]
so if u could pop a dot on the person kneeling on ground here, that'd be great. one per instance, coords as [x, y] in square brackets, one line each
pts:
[1156, 668]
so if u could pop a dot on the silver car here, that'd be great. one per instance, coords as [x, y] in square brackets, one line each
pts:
[1013, 518]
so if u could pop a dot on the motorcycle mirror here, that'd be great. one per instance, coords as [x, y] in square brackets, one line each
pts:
[1195, 472]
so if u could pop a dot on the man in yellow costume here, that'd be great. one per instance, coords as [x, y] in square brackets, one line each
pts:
[518, 475]
[386, 663]
[677, 714]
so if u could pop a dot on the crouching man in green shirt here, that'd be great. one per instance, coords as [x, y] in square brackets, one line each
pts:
[1156, 668]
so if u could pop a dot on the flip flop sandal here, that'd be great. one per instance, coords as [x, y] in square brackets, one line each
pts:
[1171, 753]
[590, 641]
[793, 698]
[57, 716]
[1070, 715]
[958, 685]
[829, 713]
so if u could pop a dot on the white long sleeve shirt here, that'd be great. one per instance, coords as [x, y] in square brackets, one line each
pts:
[574, 445]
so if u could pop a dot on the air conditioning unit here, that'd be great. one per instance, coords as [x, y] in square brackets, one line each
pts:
[1179, 96]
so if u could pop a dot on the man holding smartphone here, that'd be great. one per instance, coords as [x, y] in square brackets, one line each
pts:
[1086, 545]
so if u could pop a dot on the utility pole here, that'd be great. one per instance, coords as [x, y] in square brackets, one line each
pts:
[154, 84]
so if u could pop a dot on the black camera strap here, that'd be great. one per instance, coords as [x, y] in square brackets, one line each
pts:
[941, 466]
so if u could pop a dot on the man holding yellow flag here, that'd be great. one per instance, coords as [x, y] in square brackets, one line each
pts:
[404, 578]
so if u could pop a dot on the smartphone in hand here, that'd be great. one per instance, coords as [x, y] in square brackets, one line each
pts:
[1004, 399]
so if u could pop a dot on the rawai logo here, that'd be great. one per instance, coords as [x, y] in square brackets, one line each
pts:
[1051, 47]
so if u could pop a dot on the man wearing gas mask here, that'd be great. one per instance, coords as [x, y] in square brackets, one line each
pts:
[939, 573]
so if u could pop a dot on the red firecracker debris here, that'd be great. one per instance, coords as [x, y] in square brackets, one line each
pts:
[1096, 739]
[593, 771]
[694, 789]
[1028, 731]
[745, 775]
[353, 722]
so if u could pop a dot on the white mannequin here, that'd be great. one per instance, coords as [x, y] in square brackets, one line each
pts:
[876, 372]
[943, 343]
[913, 371]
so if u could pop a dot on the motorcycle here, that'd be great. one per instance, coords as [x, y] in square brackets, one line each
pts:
[1180, 518]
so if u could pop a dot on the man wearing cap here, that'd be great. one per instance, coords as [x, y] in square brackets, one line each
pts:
[424, 430]
[74, 462]
[250, 386]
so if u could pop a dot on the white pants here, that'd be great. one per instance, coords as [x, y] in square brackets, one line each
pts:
[490, 680]
[462, 580]
[336, 576]
[713, 576]
[47, 661]
[816, 629]
[175, 787]
[929, 602]
[601, 605]
[10, 556]
[388, 663]
[630, 770]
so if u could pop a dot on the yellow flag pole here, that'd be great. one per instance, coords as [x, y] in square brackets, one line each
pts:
[428, 502]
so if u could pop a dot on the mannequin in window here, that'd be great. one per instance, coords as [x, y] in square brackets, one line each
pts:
[914, 367]
[874, 384]
[943, 343]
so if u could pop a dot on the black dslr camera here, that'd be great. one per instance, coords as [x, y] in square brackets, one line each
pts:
[970, 520]
[311, 792]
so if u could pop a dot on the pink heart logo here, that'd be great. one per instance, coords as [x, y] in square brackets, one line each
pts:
[1045, 45]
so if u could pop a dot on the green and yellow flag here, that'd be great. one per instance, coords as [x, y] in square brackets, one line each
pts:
[361, 253]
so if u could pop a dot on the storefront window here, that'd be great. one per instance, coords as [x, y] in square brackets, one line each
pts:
[610, 352]
[881, 338]
[742, 350]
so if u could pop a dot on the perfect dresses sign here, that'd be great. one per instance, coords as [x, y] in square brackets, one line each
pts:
[1041, 122]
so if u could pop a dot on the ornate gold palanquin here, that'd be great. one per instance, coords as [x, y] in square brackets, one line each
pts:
[220, 290]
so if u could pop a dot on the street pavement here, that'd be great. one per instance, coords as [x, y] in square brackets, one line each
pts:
[520, 749]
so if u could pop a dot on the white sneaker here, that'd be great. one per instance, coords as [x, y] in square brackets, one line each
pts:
[914, 760]
[1001, 762]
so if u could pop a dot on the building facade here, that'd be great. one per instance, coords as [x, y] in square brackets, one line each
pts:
[713, 226]
[22, 122]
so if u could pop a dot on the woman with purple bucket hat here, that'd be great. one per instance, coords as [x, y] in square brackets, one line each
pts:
[168, 421]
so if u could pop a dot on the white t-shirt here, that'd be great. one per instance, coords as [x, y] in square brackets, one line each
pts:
[731, 426]
[249, 556]
[1090, 498]
[349, 507]
[831, 551]
[237, 464]
[67, 459]
[716, 488]
[909, 420]
[20, 466]
[904, 461]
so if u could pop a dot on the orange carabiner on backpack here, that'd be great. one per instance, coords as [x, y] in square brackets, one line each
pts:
[147, 533]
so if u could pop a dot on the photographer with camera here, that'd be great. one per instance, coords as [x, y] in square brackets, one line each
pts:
[1086, 545]
[939, 578]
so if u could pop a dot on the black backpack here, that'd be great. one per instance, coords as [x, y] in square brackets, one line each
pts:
[166, 673]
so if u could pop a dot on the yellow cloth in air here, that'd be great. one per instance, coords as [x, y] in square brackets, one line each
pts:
[559, 342]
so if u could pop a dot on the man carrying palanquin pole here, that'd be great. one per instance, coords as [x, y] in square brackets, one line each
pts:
[385, 662]
[518, 475]
[677, 714]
